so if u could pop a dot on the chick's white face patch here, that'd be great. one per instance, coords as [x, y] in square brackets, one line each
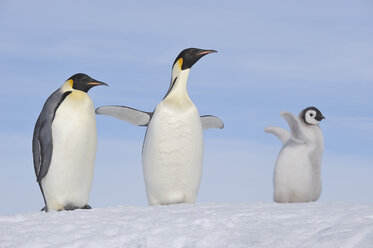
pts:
[310, 117]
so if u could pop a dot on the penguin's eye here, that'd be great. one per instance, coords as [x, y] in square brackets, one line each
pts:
[311, 114]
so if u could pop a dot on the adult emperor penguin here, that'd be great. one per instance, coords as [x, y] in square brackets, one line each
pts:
[172, 152]
[64, 145]
[297, 176]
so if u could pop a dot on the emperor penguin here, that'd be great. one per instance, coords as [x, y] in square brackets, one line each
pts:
[64, 145]
[297, 175]
[172, 153]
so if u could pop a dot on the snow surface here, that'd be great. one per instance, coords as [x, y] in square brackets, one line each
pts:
[200, 225]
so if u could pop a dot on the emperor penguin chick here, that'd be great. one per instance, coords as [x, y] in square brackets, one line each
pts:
[297, 175]
[172, 152]
[64, 145]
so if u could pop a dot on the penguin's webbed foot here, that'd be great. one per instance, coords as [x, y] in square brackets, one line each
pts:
[45, 209]
[87, 207]
[71, 207]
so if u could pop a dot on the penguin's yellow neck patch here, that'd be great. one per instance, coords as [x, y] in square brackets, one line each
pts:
[78, 95]
[180, 63]
[68, 85]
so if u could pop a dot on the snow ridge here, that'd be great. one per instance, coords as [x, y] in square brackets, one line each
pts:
[199, 225]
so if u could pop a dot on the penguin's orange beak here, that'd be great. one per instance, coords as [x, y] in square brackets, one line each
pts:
[204, 52]
[95, 83]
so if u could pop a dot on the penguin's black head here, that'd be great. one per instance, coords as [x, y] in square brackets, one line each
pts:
[311, 116]
[188, 57]
[83, 82]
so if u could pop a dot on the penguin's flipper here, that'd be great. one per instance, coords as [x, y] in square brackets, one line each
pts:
[42, 141]
[210, 121]
[294, 124]
[281, 133]
[131, 115]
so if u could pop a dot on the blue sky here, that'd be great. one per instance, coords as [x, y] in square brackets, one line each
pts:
[272, 56]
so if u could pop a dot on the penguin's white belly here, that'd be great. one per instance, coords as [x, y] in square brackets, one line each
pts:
[70, 175]
[296, 178]
[173, 156]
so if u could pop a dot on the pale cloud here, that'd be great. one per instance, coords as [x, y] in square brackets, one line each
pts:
[359, 124]
[347, 177]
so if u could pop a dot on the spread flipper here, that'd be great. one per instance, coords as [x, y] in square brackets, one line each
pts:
[294, 124]
[133, 116]
[210, 121]
[281, 133]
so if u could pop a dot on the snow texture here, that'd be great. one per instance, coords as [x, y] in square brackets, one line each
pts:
[200, 225]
